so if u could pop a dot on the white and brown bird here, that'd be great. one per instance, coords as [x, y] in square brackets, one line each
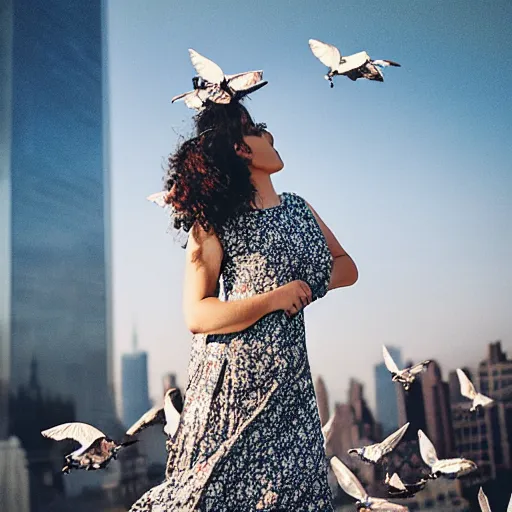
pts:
[352, 486]
[468, 390]
[97, 450]
[449, 468]
[398, 489]
[212, 84]
[358, 65]
[406, 376]
[373, 453]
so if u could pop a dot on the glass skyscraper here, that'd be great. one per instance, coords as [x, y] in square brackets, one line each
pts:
[54, 220]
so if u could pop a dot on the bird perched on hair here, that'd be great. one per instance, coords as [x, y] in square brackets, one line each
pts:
[97, 450]
[212, 84]
[405, 376]
[358, 65]
[352, 486]
[374, 453]
[468, 390]
[449, 468]
[398, 489]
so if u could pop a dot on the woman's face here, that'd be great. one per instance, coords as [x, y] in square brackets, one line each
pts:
[263, 156]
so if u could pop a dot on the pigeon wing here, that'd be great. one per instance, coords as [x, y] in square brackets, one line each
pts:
[173, 407]
[427, 450]
[466, 386]
[483, 501]
[82, 432]
[509, 508]
[418, 368]
[327, 54]
[242, 81]
[182, 96]
[392, 440]
[484, 400]
[347, 480]
[152, 417]
[379, 504]
[396, 483]
[206, 68]
[388, 360]
[385, 63]
[327, 427]
[353, 62]
[244, 92]
[158, 198]
[196, 101]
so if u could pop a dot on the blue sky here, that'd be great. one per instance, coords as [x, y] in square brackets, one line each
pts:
[413, 175]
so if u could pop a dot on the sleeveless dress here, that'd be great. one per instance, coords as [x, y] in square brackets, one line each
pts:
[249, 437]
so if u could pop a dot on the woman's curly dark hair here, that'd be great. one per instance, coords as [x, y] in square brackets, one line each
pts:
[206, 179]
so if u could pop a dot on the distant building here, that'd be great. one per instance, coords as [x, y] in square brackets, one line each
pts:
[354, 426]
[486, 438]
[385, 392]
[169, 381]
[15, 495]
[322, 399]
[436, 401]
[134, 384]
[55, 275]
[411, 407]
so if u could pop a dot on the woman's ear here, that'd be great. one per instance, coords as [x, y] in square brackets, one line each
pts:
[243, 151]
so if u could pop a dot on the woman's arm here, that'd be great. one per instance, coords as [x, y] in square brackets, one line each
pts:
[204, 312]
[344, 271]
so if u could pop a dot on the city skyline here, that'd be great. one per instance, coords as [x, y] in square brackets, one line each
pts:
[412, 175]
[435, 405]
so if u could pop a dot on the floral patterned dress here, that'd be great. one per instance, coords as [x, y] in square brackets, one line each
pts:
[249, 437]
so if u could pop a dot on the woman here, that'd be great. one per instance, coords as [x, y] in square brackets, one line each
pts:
[249, 436]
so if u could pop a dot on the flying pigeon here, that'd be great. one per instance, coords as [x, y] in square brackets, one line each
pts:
[483, 501]
[352, 486]
[397, 489]
[405, 376]
[96, 449]
[468, 390]
[450, 468]
[212, 84]
[374, 453]
[168, 415]
[358, 65]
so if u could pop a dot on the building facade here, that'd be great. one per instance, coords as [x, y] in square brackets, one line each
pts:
[322, 400]
[54, 217]
[385, 392]
[134, 368]
[436, 400]
[486, 437]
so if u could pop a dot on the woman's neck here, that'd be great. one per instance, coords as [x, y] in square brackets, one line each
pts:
[266, 196]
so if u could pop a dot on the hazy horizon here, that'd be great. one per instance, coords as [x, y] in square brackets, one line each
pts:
[412, 175]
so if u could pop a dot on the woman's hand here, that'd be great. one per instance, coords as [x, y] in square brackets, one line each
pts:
[291, 297]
